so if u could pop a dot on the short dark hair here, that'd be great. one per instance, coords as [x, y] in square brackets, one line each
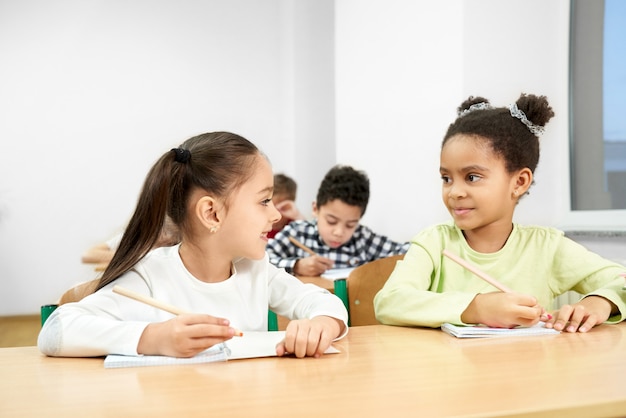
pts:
[345, 183]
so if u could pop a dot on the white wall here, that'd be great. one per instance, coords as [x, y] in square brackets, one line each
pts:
[399, 80]
[92, 92]
[404, 66]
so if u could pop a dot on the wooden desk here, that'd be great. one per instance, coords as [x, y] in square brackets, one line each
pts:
[382, 371]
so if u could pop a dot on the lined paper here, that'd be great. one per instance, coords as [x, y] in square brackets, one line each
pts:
[213, 354]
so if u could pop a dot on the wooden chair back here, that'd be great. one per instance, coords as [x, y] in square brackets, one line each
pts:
[363, 284]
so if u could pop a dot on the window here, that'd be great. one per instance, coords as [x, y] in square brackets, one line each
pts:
[598, 110]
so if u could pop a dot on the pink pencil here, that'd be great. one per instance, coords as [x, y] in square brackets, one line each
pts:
[476, 271]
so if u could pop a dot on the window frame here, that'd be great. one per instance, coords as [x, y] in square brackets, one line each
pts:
[585, 33]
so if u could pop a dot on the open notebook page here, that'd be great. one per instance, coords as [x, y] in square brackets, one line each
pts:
[250, 345]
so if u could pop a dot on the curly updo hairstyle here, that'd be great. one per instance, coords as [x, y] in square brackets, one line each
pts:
[507, 135]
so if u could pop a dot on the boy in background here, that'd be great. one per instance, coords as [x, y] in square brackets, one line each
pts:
[335, 236]
[284, 199]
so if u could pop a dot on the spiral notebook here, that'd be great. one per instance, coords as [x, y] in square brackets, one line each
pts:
[250, 345]
[463, 331]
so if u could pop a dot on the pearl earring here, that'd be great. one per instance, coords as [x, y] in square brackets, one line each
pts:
[213, 229]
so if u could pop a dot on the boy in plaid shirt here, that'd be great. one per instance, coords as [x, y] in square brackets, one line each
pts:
[335, 234]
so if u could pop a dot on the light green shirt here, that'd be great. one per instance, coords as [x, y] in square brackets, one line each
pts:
[427, 289]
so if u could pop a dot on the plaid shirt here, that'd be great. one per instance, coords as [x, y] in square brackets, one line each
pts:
[363, 246]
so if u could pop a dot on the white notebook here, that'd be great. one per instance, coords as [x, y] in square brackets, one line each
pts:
[462, 331]
[250, 345]
[334, 274]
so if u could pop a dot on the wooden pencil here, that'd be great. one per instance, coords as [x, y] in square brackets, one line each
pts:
[156, 303]
[301, 245]
[478, 272]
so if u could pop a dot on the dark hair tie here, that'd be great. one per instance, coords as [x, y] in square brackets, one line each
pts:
[182, 155]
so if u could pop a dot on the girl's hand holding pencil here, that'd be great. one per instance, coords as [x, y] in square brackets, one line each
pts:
[579, 317]
[504, 309]
[185, 335]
